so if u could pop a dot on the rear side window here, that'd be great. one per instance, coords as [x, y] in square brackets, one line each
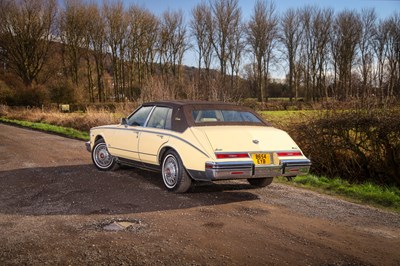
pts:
[140, 116]
[160, 118]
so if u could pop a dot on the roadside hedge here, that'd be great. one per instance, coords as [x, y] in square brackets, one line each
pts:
[357, 145]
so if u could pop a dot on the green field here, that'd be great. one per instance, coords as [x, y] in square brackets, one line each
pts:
[282, 118]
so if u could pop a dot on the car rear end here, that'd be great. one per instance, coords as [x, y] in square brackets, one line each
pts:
[243, 152]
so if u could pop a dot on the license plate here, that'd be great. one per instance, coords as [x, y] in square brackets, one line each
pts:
[261, 158]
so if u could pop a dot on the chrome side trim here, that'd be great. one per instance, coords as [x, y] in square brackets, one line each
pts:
[112, 148]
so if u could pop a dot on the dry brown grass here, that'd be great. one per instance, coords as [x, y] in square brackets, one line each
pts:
[80, 120]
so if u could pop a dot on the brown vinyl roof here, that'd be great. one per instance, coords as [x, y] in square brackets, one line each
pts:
[188, 102]
[182, 112]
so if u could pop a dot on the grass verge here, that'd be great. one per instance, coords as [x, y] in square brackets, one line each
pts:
[63, 131]
[379, 196]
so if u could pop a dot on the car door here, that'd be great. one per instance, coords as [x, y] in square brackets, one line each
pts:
[155, 134]
[125, 138]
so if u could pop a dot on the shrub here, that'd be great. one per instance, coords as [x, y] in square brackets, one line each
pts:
[6, 93]
[358, 145]
[61, 91]
[36, 95]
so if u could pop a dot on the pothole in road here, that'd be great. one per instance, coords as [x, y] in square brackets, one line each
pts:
[120, 224]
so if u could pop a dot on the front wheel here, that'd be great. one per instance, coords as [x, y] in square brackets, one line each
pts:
[260, 182]
[174, 174]
[101, 158]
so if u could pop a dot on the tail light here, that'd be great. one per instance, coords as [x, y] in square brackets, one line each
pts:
[289, 153]
[231, 155]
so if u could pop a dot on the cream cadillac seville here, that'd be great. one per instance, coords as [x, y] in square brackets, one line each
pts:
[199, 141]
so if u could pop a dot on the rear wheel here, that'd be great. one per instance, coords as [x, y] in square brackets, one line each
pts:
[174, 174]
[101, 158]
[260, 182]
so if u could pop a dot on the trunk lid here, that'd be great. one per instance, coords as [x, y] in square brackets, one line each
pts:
[246, 138]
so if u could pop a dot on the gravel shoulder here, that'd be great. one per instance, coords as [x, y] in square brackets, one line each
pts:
[55, 206]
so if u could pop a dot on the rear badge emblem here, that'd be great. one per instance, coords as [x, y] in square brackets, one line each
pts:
[255, 141]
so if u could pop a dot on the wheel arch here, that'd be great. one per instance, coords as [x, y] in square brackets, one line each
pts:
[163, 151]
[195, 173]
[99, 135]
[192, 157]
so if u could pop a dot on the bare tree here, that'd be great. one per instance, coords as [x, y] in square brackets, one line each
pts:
[393, 56]
[141, 43]
[365, 46]
[307, 48]
[291, 34]
[316, 24]
[236, 46]
[173, 45]
[346, 36]
[72, 34]
[380, 40]
[96, 34]
[201, 30]
[262, 36]
[225, 14]
[116, 29]
[322, 30]
[88, 51]
[148, 51]
[134, 43]
[27, 29]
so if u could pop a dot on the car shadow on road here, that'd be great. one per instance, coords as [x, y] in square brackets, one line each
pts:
[82, 189]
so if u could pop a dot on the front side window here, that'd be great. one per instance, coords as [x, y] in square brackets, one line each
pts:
[215, 115]
[160, 118]
[140, 116]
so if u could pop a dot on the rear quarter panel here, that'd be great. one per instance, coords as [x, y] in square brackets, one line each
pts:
[193, 153]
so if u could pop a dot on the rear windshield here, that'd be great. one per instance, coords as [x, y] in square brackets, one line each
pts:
[216, 115]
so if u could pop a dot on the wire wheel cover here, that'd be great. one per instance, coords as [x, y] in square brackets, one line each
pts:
[101, 156]
[170, 171]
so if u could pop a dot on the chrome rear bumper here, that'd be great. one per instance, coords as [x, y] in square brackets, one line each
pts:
[247, 169]
[229, 170]
[295, 167]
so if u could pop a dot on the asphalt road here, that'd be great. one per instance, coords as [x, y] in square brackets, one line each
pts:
[56, 208]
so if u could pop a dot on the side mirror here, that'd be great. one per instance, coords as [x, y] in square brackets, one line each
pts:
[124, 121]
